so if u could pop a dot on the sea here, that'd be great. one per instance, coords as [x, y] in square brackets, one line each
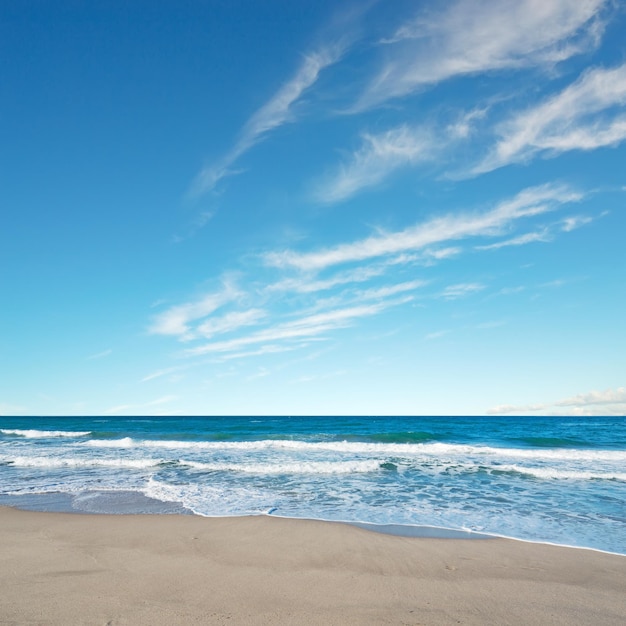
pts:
[558, 480]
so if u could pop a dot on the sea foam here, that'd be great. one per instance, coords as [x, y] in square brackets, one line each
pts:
[42, 434]
[438, 450]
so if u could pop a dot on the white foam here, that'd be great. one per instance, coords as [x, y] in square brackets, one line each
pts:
[211, 500]
[126, 442]
[52, 463]
[40, 434]
[312, 467]
[549, 473]
[438, 450]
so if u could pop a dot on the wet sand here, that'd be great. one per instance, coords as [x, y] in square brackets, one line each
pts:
[58, 568]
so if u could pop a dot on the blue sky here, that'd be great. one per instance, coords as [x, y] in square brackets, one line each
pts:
[313, 207]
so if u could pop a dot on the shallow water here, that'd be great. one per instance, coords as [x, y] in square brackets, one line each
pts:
[557, 480]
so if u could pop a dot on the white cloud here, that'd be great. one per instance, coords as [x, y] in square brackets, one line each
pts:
[574, 222]
[507, 291]
[608, 402]
[124, 408]
[609, 396]
[309, 285]
[305, 327]
[443, 253]
[542, 235]
[379, 156]
[229, 322]
[100, 355]
[176, 319]
[463, 127]
[475, 36]
[163, 372]
[267, 349]
[529, 202]
[390, 290]
[262, 372]
[461, 290]
[382, 154]
[277, 111]
[588, 114]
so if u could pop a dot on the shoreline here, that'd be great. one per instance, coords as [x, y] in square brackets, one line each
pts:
[140, 504]
[61, 568]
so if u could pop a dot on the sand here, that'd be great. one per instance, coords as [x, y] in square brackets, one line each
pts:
[65, 569]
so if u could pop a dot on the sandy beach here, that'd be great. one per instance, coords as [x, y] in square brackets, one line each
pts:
[61, 568]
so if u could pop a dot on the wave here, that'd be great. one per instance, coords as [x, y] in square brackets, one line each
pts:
[304, 467]
[309, 467]
[40, 434]
[437, 450]
[548, 473]
[313, 467]
[51, 463]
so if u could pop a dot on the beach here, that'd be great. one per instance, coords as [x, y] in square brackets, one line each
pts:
[61, 568]
[556, 480]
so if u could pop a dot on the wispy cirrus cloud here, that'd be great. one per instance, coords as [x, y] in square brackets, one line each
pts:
[164, 372]
[589, 114]
[529, 202]
[307, 284]
[263, 350]
[379, 155]
[304, 327]
[100, 355]
[389, 290]
[123, 408]
[476, 36]
[229, 322]
[576, 221]
[382, 154]
[285, 314]
[608, 402]
[453, 292]
[542, 235]
[277, 111]
[176, 319]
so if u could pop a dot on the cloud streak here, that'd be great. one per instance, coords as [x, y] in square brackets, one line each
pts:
[100, 355]
[305, 327]
[542, 235]
[475, 36]
[453, 292]
[176, 319]
[277, 111]
[608, 402]
[529, 202]
[589, 114]
[288, 313]
[379, 156]
[230, 322]
[123, 408]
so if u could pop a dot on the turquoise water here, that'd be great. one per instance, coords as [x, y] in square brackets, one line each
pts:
[558, 480]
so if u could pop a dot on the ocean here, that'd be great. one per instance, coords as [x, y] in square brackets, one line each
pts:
[558, 480]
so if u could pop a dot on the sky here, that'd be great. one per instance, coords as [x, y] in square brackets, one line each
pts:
[220, 207]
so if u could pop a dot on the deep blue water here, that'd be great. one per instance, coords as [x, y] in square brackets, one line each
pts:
[550, 479]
